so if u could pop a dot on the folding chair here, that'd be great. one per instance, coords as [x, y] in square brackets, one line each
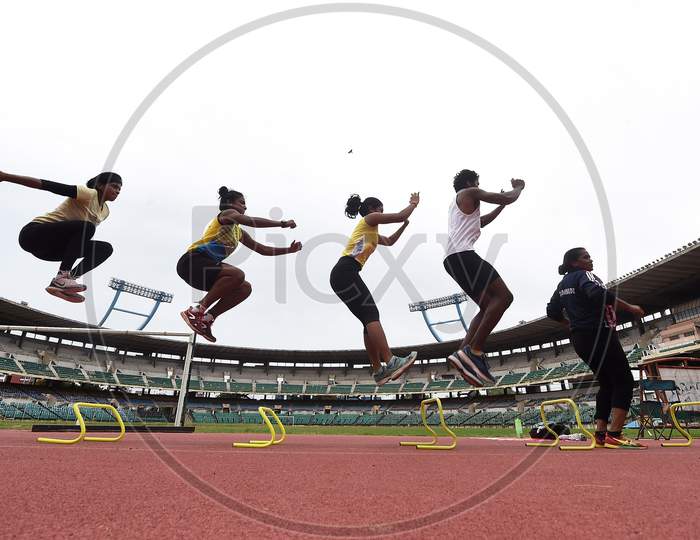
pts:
[652, 416]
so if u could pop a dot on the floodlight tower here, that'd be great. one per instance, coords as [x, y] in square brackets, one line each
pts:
[424, 305]
[120, 286]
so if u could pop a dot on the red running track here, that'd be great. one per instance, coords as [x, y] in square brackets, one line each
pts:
[331, 486]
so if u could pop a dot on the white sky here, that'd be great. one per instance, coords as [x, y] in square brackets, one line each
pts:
[273, 114]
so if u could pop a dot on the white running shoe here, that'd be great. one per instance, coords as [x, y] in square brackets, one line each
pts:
[65, 282]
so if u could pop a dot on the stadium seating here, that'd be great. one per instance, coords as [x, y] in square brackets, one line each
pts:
[69, 374]
[214, 386]
[316, 389]
[131, 380]
[102, 377]
[33, 368]
[413, 387]
[340, 389]
[8, 364]
[437, 386]
[292, 388]
[160, 382]
[510, 379]
[266, 388]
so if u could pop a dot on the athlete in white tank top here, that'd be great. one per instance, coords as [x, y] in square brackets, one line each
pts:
[463, 230]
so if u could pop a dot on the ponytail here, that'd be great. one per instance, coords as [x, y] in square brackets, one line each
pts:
[355, 205]
[569, 257]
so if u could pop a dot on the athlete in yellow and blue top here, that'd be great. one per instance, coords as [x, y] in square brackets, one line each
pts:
[202, 266]
[349, 287]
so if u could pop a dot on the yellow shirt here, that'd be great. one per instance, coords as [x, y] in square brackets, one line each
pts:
[218, 241]
[363, 241]
[85, 207]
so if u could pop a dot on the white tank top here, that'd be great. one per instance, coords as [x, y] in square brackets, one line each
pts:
[463, 230]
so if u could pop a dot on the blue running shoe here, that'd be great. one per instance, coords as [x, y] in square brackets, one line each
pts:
[398, 365]
[464, 370]
[382, 376]
[478, 365]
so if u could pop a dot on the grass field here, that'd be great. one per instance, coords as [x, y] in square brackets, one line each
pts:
[329, 430]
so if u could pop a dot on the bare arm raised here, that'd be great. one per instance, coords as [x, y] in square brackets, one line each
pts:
[467, 198]
[65, 190]
[230, 216]
[262, 249]
[378, 218]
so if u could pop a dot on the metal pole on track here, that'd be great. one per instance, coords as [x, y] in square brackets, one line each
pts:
[182, 396]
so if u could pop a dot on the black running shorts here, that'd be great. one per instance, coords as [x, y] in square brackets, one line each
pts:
[472, 273]
[348, 285]
[198, 270]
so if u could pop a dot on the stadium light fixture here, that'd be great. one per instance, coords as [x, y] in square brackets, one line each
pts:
[122, 286]
[424, 305]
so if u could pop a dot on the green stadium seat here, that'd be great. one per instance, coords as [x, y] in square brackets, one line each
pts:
[413, 387]
[436, 386]
[510, 379]
[102, 377]
[389, 388]
[160, 382]
[292, 388]
[340, 389]
[69, 374]
[241, 387]
[316, 389]
[131, 380]
[365, 389]
[214, 386]
[534, 376]
[266, 388]
[9, 365]
[33, 368]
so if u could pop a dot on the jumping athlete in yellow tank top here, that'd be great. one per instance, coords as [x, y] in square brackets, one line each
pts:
[349, 287]
[202, 266]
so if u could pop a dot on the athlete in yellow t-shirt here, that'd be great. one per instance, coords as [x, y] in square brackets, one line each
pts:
[348, 285]
[202, 265]
[65, 234]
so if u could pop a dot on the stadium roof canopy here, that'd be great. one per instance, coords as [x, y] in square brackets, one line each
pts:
[656, 286]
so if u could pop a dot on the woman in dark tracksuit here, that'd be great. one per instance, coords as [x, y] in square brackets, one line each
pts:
[590, 311]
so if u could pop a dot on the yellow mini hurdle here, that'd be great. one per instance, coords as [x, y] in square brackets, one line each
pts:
[555, 442]
[81, 422]
[681, 430]
[432, 445]
[264, 411]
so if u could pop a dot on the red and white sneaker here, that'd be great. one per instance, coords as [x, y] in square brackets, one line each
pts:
[622, 443]
[199, 321]
[64, 286]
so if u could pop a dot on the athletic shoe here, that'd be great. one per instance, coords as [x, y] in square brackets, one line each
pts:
[622, 443]
[599, 441]
[65, 282]
[394, 368]
[478, 365]
[65, 295]
[205, 328]
[464, 370]
[198, 322]
[382, 376]
[192, 315]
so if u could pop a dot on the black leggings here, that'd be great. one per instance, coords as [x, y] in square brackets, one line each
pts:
[65, 241]
[348, 285]
[604, 355]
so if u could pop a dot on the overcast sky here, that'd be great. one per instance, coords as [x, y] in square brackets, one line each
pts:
[274, 113]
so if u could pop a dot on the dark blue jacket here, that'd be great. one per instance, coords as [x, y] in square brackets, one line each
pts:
[585, 300]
